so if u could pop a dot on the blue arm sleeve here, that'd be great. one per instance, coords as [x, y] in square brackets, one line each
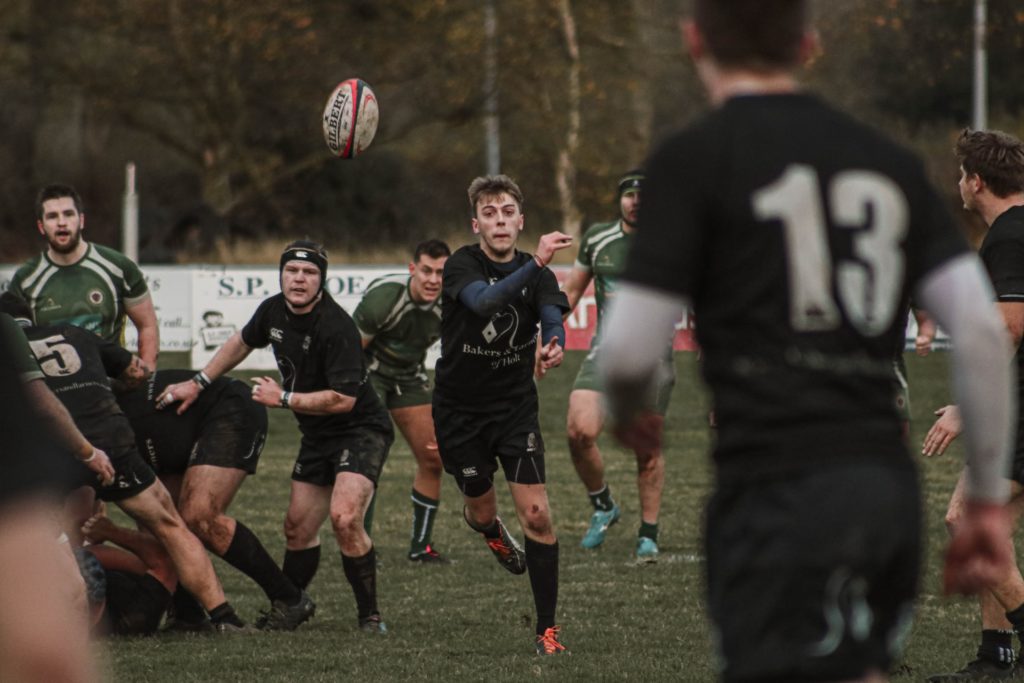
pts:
[551, 324]
[486, 300]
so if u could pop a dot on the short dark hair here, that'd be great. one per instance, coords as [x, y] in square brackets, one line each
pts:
[432, 249]
[56, 191]
[757, 34]
[995, 157]
[492, 186]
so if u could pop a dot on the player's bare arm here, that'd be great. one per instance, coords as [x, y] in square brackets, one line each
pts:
[268, 392]
[575, 285]
[50, 407]
[143, 316]
[227, 357]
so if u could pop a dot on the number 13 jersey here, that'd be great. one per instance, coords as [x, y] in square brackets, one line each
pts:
[798, 234]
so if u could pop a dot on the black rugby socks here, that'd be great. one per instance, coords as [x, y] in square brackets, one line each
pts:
[542, 564]
[300, 565]
[602, 500]
[247, 555]
[361, 573]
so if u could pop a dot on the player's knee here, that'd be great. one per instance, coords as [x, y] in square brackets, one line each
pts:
[296, 534]
[648, 462]
[429, 464]
[581, 440]
[199, 520]
[346, 519]
[537, 520]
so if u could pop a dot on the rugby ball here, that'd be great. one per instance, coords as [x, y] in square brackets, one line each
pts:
[350, 118]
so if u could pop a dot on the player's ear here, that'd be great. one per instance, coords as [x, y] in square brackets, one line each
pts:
[39, 226]
[810, 46]
[693, 41]
[412, 267]
[476, 226]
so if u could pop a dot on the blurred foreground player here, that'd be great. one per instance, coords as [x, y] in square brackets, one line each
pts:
[798, 235]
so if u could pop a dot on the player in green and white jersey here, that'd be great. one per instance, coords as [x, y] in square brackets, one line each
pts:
[86, 285]
[601, 258]
[399, 318]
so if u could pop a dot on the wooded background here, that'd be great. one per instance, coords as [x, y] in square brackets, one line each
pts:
[219, 103]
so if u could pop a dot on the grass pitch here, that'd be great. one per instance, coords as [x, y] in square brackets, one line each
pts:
[471, 620]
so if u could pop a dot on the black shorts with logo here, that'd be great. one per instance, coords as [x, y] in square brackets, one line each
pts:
[135, 603]
[360, 450]
[132, 474]
[812, 573]
[232, 435]
[472, 443]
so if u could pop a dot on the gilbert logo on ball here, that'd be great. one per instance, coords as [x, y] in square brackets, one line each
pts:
[350, 118]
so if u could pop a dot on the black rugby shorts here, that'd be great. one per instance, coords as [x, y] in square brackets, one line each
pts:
[812, 574]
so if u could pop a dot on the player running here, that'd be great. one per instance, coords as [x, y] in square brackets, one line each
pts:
[485, 401]
[399, 319]
[601, 258]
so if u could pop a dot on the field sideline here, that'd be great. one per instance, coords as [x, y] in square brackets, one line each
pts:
[472, 621]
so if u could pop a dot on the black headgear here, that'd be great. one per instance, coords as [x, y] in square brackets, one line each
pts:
[632, 180]
[305, 250]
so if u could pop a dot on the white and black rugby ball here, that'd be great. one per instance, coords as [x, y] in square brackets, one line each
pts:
[350, 118]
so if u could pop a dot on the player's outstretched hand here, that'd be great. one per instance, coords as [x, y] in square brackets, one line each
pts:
[549, 244]
[942, 433]
[642, 433]
[100, 464]
[187, 392]
[551, 355]
[267, 391]
[980, 553]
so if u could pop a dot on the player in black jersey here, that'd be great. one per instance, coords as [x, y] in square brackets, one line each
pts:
[992, 185]
[203, 456]
[77, 365]
[485, 401]
[797, 235]
[346, 431]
